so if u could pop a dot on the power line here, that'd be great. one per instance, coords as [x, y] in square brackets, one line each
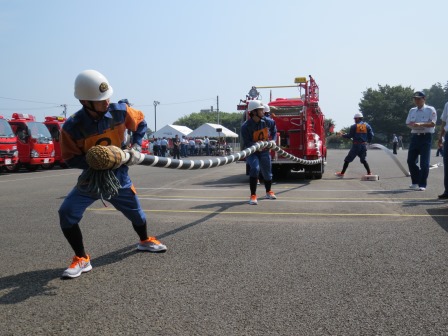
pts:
[185, 102]
[28, 108]
[29, 101]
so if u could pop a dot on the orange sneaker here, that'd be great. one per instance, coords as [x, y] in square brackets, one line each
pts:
[253, 200]
[270, 195]
[339, 174]
[78, 266]
[152, 245]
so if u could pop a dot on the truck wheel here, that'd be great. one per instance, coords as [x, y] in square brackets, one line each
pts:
[13, 168]
[63, 165]
[32, 168]
[47, 165]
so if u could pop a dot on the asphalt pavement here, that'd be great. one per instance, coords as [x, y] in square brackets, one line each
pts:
[328, 257]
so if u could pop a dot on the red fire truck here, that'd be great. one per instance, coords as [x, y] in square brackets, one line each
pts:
[8, 144]
[54, 125]
[300, 128]
[34, 142]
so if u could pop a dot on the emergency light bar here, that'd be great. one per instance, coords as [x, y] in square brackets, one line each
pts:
[58, 118]
[23, 116]
[299, 80]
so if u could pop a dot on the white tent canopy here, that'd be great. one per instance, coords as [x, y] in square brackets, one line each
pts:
[170, 131]
[210, 130]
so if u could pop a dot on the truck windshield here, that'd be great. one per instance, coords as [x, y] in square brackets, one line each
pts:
[5, 129]
[39, 132]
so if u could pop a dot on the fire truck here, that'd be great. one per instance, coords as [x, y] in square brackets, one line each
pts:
[54, 125]
[301, 128]
[8, 144]
[34, 142]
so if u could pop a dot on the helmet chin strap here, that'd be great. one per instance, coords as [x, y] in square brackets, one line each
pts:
[90, 107]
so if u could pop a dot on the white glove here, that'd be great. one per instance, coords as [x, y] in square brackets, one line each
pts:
[134, 157]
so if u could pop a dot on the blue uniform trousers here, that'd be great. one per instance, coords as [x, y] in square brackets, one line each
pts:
[420, 146]
[260, 161]
[76, 203]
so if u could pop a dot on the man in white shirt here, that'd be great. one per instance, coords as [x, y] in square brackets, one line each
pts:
[421, 120]
[207, 145]
[442, 140]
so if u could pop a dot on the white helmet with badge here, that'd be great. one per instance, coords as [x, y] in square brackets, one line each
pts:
[92, 85]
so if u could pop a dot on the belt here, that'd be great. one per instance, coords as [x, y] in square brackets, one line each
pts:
[358, 143]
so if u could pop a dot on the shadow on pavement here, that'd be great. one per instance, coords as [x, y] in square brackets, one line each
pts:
[440, 217]
[35, 283]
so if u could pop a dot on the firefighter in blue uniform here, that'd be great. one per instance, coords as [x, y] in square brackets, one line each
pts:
[258, 128]
[361, 134]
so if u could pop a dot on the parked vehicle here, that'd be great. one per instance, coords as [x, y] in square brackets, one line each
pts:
[54, 125]
[146, 145]
[34, 142]
[8, 144]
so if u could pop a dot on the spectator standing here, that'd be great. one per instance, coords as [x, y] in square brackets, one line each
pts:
[442, 140]
[163, 146]
[361, 134]
[421, 120]
[440, 145]
[176, 147]
[192, 146]
[394, 144]
[183, 146]
[156, 146]
[207, 145]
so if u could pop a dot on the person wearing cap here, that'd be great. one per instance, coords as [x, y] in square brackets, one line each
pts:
[442, 142]
[258, 128]
[361, 134]
[421, 120]
[100, 122]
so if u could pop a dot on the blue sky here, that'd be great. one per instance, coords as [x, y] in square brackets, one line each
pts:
[186, 53]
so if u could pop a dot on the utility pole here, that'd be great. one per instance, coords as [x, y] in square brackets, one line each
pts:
[155, 115]
[65, 110]
[217, 106]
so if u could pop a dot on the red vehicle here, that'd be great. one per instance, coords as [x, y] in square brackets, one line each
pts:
[300, 128]
[54, 125]
[146, 145]
[34, 142]
[8, 144]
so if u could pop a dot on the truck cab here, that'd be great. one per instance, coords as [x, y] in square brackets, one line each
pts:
[34, 142]
[8, 144]
[54, 125]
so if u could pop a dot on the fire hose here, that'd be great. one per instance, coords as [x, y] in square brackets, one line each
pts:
[99, 179]
[391, 155]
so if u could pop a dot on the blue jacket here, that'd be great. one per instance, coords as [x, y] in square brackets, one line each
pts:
[360, 132]
[252, 132]
[81, 132]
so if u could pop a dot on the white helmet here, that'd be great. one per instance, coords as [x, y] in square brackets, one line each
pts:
[358, 115]
[92, 85]
[254, 104]
[267, 109]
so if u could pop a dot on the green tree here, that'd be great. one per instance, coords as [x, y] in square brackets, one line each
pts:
[386, 110]
[436, 97]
